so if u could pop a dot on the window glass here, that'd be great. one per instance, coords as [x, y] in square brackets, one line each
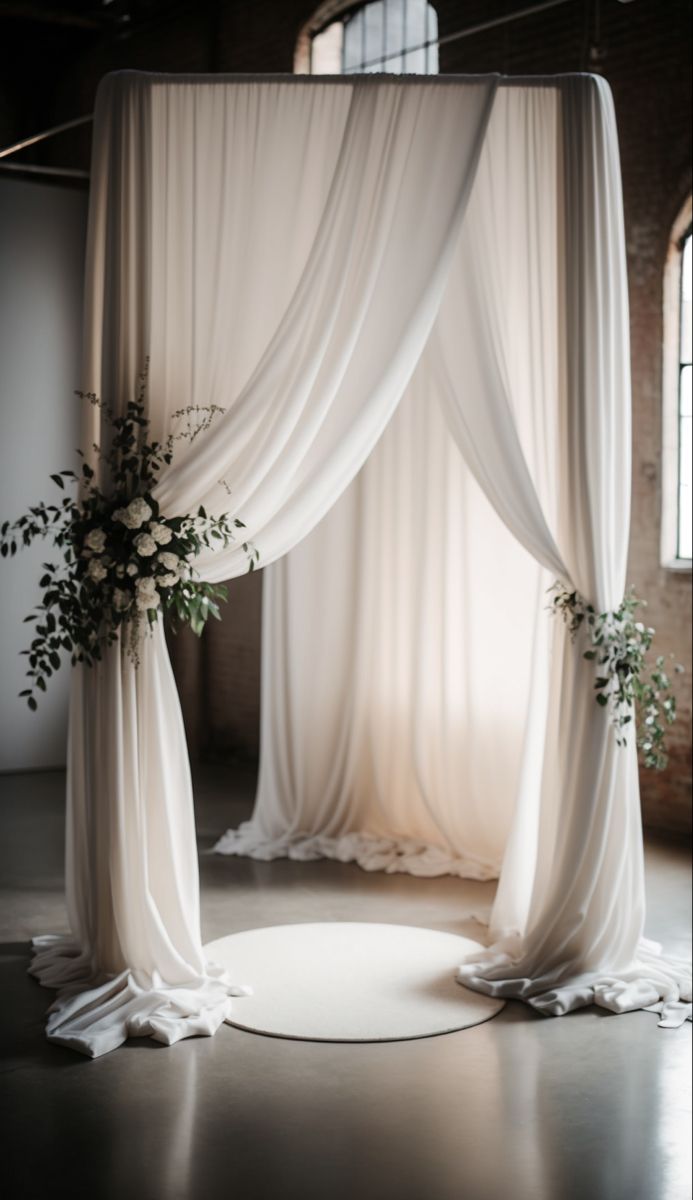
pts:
[685, 496]
[394, 36]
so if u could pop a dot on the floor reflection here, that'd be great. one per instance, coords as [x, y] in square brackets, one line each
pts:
[586, 1107]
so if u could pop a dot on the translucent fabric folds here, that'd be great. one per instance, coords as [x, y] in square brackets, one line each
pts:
[393, 668]
[420, 712]
[278, 248]
[569, 934]
[294, 251]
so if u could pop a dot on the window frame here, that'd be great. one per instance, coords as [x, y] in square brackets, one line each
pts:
[329, 13]
[671, 395]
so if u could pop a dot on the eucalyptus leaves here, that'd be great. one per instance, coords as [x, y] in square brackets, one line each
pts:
[627, 684]
[121, 560]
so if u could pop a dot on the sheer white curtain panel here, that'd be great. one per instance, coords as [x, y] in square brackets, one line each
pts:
[279, 249]
[420, 712]
[570, 910]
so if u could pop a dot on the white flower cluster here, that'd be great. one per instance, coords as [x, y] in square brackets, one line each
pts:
[122, 563]
[145, 545]
[172, 566]
[161, 533]
[95, 540]
[97, 571]
[138, 583]
[147, 595]
[135, 515]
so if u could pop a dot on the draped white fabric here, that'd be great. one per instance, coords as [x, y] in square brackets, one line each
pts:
[404, 638]
[279, 249]
[284, 249]
[577, 931]
[391, 669]
[134, 964]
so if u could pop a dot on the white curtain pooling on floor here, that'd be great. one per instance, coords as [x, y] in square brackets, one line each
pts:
[134, 964]
[282, 248]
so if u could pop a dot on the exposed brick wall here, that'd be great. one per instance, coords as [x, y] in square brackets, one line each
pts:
[232, 660]
[643, 49]
[218, 677]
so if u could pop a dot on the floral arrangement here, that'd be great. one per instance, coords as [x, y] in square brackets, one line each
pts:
[122, 561]
[627, 684]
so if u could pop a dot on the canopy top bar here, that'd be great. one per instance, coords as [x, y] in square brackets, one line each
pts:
[367, 79]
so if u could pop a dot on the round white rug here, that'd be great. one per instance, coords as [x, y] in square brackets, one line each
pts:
[348, 982]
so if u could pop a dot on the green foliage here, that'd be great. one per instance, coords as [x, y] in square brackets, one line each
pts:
[627, 683]
[120, 561]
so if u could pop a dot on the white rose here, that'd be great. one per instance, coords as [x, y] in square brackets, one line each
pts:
[161, 533]
[121, 599]
[147, 594]
[132, 568]
[136, 513]
[145, 545]
[120, 570]
[168, 580]
[97, 571]
[95, 540]
[146, 602]
[168, 560]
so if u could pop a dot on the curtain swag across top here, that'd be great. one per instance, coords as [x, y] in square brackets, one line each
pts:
[307, 253]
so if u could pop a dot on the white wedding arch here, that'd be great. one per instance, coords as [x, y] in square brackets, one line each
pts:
[310, 254]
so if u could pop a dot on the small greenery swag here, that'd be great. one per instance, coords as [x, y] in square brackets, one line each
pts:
[122, 562]
[627, 684]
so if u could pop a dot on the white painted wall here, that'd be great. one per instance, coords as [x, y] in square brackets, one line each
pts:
[42, 240]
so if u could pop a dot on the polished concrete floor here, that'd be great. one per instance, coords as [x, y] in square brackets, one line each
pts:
[588, 1107]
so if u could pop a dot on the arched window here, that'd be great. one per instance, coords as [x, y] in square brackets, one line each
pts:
[677, 484]
[394, 36]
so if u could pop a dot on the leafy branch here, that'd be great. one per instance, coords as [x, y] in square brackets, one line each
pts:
[627, 683]
[121, 560]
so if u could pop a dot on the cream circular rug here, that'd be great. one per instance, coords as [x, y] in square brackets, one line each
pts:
[348, 982]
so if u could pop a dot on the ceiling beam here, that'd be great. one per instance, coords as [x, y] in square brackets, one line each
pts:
[52, 16]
